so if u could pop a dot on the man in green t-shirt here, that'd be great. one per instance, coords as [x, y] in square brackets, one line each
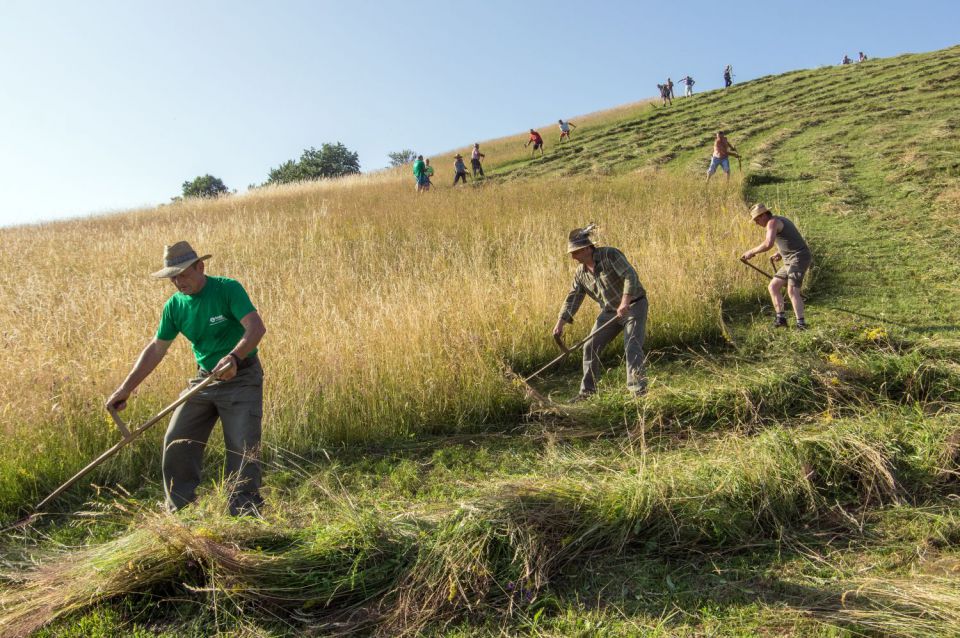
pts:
[216, 316]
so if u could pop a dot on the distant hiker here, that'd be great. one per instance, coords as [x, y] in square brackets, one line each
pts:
[565, 129]
[670, 87]
[862, 58]
[793, 251]
[216, 316]
[459, 170]
[846, 59]
[605, 275]
[475, 163]
[419, 174]
[688, 83]
[664, 95]
[428, 173]
[537, 142]
[722, 150]
[727, 76]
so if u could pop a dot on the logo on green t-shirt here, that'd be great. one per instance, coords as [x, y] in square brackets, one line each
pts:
[210, 319]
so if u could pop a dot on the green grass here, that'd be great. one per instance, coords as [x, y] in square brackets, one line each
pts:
[328, 553]
[776, 483]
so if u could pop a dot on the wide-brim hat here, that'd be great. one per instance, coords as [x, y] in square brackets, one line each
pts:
[580, 238]
[177, 258]
[757, 210]
[458, 156]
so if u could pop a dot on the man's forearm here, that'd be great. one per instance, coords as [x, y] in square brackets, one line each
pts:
[762, 248]
[245, 346]
[249, 341]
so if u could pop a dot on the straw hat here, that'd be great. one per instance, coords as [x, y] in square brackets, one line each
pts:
[580, 238]
[759, 209]
[177, 258]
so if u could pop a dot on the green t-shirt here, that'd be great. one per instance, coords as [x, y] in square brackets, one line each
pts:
[210, 319]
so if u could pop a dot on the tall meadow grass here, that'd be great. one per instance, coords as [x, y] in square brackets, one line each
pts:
[387, 312]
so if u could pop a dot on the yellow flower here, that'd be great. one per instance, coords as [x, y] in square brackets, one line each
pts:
[876, 334]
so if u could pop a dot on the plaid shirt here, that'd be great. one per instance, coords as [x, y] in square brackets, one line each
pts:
[612, 277]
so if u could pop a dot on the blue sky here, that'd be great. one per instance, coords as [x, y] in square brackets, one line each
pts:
[113, 104]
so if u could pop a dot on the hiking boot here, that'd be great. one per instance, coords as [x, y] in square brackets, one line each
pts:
[802, 325]
[779, 322]
[580, 398]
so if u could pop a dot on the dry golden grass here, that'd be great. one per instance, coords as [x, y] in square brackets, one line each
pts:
[386, 311]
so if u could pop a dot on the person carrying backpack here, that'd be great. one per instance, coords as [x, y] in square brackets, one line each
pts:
[428, 173]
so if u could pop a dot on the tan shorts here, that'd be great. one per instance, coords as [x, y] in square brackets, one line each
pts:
[794, 270]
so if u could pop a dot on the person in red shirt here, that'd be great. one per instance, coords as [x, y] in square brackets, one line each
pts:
[537, 143]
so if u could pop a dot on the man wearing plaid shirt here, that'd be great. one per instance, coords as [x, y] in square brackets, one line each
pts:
[605, 275]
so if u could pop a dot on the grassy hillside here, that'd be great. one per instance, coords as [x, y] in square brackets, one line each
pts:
[389, 313]
[773, 483]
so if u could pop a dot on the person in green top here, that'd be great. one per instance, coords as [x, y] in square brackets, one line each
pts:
[428, 173]
[419, 173]
[216, 315]
[605, 275]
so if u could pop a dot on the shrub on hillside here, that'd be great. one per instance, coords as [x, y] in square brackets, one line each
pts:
[331, 160]
[399, 158]
[204, 186]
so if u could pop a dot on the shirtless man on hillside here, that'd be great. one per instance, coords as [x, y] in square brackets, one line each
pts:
[722, 150]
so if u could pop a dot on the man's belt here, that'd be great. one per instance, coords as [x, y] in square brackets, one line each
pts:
[245, 363]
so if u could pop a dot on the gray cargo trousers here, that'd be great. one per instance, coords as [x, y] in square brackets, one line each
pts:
[238, 403]
[634, 329]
